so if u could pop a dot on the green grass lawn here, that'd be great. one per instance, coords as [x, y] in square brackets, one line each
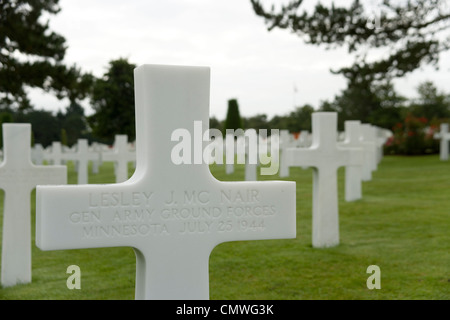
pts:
[402, 225]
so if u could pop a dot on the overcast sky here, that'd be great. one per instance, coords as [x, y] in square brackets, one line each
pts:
[257, 67]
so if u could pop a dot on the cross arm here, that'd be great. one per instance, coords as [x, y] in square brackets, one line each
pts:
[82, 216]
[255, 210]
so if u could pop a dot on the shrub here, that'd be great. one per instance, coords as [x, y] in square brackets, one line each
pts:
[413, 136]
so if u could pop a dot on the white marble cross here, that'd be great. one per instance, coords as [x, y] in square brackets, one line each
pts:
[82, 156]
[55, 154]
[368, 138]
[37, 154]
[249, 145]
[172, 215]
[18, 177]
[96, 148]
[304, 140]
[121, 155]
[230, 151]
[325, 156]
[285, 143]
[353, 173]
[444, 137]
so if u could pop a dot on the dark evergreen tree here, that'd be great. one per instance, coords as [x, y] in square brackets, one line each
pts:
[233, 119]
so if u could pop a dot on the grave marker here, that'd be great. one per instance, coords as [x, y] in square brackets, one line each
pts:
[325, 156]
[121, 155]
[172, 215]
[444, 137]
[370, 151]
[304, 140]
[248, 145]
[18, 177]
[230, 148]
[55, 154]
[82, 156]
[37, 154]
[353, 173]
[285, 143]
[96, 148]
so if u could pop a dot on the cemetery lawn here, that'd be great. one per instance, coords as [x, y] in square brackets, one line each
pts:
[402, 225]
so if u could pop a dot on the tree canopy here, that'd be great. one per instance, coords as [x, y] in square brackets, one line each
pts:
[410, 32]
[113, 102]
[31, 55]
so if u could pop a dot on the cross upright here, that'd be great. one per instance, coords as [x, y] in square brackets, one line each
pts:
[444, 137]
[96, 148]
[229, 148]
[55, 156]
[325, 156]
[353, 173]
[121, 155]
[285, 143]
[18, 177]
[82, 156]
[37, 154]
[370, 151]
[251, 163]
[171, 215]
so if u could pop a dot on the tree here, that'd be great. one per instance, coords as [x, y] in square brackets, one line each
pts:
[5, 117]
[392, 107]
[405, 34]
[256, 122]
[279, 122]
[45, 126]
[214, 123]
[31, 55]
[233, 120]
[300, 119]
[410, 32]
[73, 124]
[113, 102]
[431, 104]
[378, 104]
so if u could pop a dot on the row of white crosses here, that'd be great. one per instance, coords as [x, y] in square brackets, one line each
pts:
[175, 215]
[19, 176]
[241, 148]
[361, 136]
[241, 145]
[56, 156]
[82, 154]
